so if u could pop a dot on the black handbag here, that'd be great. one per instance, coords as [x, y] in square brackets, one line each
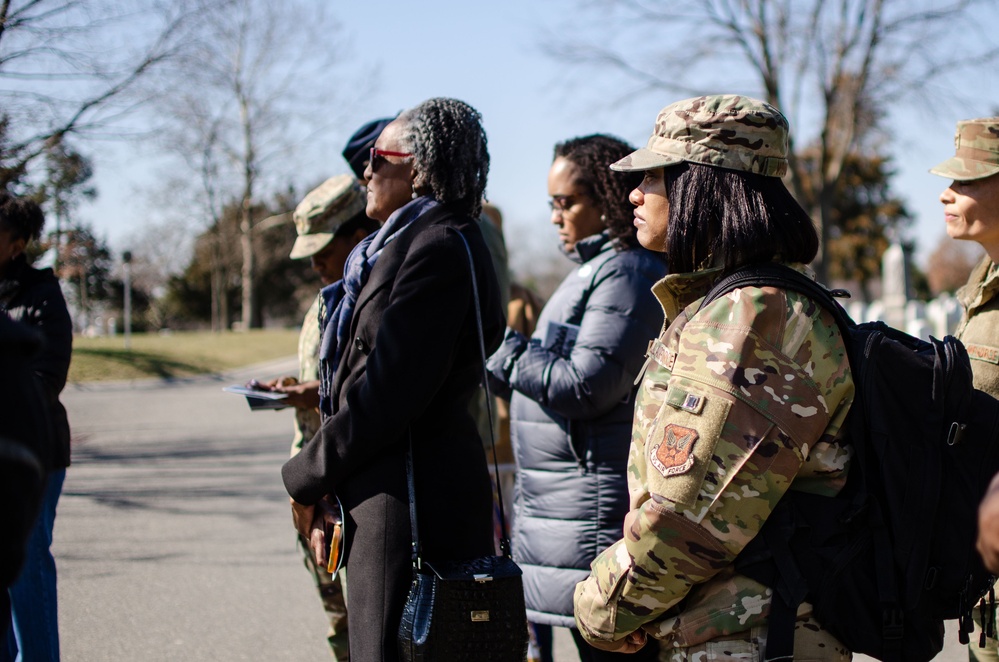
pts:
[464, 610]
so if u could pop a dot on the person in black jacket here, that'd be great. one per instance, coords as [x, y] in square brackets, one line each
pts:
[33, 297]
[24, 438]
[399, 362]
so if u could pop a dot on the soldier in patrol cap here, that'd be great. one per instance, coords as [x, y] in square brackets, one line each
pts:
[330, 221]
[738, 403]
[971, 212]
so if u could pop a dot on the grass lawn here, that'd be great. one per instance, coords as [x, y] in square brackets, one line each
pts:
[178, 354]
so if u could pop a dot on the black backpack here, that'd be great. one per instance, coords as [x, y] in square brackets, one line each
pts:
[892, 556]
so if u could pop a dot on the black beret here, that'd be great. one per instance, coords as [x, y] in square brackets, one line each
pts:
[359, 145]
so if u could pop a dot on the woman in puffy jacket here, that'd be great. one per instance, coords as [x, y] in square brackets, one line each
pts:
[571, 385]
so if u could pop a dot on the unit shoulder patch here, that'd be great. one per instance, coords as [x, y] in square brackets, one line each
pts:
[673, 455]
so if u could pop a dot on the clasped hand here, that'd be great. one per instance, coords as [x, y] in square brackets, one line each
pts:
[312, 523]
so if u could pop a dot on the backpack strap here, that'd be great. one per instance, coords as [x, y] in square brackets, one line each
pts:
[790, 586]
[773, 274]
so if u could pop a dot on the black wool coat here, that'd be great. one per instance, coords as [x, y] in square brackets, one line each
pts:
[409, 371]
[33, 297]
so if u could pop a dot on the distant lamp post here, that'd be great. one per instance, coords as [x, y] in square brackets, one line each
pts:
[126, 268]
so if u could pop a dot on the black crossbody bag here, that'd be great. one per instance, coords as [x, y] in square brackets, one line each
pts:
[464, 610]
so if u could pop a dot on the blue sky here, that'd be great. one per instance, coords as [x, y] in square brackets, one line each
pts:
[489, 55]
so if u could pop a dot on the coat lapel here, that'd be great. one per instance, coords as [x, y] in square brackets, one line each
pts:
[382, 276]
[385, 268]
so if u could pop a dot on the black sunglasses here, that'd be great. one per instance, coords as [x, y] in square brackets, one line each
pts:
[377, 157]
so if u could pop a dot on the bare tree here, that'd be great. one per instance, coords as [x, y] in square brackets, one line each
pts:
[72, 67]
[160, 249]
[258, 89]
[66, 184]
[833, 66]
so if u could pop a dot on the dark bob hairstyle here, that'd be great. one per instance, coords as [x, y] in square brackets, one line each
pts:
[730, 218]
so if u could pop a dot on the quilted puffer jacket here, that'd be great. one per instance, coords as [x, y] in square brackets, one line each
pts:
[571, 406]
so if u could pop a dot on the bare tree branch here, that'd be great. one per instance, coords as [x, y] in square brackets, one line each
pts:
[834, 66]
[255, 90]
[60, 79]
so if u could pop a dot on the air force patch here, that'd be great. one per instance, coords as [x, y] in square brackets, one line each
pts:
[672, 456]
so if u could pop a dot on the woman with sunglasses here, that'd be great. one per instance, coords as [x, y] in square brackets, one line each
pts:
[399, 362]
[571, 386]
[740, 401]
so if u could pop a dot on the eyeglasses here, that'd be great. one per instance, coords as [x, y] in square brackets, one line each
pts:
[563, 203]
[377, 157]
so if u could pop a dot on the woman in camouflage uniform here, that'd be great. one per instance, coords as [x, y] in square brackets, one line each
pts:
[739, 402]
[971, 212]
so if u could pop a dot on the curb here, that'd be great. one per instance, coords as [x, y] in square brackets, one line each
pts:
[284, 366]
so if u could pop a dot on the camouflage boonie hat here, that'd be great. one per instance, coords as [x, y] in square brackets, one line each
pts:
[976, 146]
[323, 210]
[723, 130]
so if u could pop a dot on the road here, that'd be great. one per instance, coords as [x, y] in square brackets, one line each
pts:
[173, 537]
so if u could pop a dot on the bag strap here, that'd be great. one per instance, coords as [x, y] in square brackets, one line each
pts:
[790, 586]
[505, 538]
[416, 553]
[772, 274]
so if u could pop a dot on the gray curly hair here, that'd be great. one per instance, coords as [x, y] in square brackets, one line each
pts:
[450, 153]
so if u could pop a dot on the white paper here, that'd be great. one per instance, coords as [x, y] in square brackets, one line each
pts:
[560, 338]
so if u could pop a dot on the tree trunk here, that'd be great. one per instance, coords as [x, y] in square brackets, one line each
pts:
[225, 312]
[217, 283]
[251, 318]
[824, 217]
[84, 302]
[247, 272]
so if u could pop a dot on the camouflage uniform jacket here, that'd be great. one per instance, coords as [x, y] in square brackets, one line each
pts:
[979, 330]
[738, 403]
[307, 421]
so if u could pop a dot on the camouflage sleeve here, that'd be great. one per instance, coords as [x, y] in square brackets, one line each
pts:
[727, 411]
[307, 421]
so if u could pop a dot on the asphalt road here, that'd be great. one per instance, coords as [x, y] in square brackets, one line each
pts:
[173, 536]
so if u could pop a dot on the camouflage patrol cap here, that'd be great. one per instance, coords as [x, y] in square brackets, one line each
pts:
[323, 210]
[723, 130]
[976, 145]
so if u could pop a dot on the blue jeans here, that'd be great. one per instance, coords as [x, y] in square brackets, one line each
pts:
[33, 631]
